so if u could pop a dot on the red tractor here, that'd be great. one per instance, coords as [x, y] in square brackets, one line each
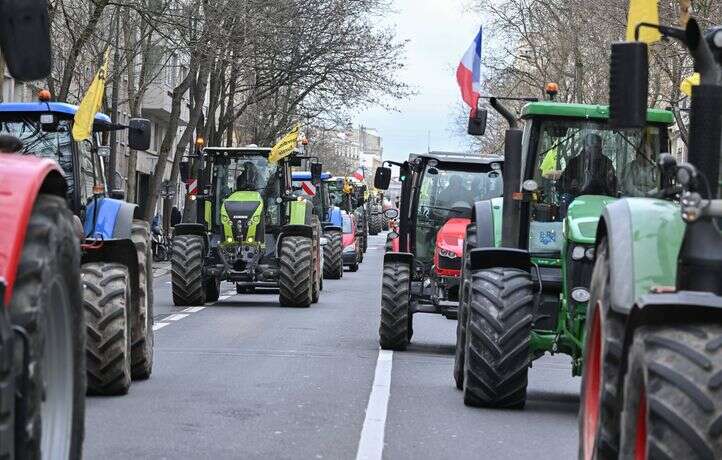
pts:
[42, 333]
[422, 265]
[352, 243]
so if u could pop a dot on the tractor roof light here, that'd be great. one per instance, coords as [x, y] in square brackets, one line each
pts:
[551, 89]
[44, 95]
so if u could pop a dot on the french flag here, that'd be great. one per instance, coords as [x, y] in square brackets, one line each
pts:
[468, 74]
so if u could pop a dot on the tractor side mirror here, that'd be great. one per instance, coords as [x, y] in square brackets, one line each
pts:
[316, 170]
[382, 179]
[25, 38]
[184, 167]
[477, 124]
[139, 134]
[628, 85]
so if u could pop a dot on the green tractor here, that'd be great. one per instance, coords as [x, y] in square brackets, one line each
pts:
[652, 383]
[528, 257]
[251, 230]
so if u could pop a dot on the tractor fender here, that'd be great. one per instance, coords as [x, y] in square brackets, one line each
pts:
[22, 178]
[401, 257]
[675, 308]
[335, 217]
[114, 218]
[294, 230]
[328, 227]
[121, 251]
[483, 216]
[483, 258]
[644, 237]
[191, 229]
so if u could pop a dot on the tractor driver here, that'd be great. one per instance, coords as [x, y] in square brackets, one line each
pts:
[590, 172]
[247, 181]
[453, 192]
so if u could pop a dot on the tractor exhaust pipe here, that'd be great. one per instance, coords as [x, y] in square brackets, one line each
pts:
[512, 177]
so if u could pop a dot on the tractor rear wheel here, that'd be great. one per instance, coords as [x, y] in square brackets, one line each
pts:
[187, 271]
[46, 303]
[142, 316]
[462, 321]
[212, 287]
[604, 332]
[672, 402]
[333, 256]
[497, 355]
[296, 274]
[396, 318]
[107, 302]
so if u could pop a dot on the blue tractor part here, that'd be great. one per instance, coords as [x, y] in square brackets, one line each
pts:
[116, 248]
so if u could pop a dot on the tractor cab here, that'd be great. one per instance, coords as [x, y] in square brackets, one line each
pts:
[318, 193]
[45, 129]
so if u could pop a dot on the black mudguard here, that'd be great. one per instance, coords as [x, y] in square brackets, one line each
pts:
[332, 228]
[296, 230]
[400, 257]
[116, 251]
[192, 229]
[616, 225]
[483, 217]
[484, 258]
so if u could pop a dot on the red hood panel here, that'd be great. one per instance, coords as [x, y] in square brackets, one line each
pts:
[348, 239]
[452, 233]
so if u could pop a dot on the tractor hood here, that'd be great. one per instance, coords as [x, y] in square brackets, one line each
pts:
[241, 214]
[583, 216]
[450, 246]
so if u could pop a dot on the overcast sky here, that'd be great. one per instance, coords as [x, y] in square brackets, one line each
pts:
[439, 32]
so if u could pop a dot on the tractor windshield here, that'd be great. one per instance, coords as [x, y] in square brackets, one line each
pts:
[336, 192]
[447, 193]
[56, 143]
[247, 173]
[589, 158]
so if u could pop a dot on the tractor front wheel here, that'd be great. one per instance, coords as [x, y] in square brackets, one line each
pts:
[107, 302]
[396, 318]
[47, 305]
[296, 274]
[673, 393]
[497, 355]
[333, 256]
[142, 314]
[187, 271]
[212, 288]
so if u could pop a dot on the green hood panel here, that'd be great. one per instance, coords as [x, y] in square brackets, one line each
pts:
[497, 205]
[582, 218]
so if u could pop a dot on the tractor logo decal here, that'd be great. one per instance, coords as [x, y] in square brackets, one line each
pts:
[548, 237]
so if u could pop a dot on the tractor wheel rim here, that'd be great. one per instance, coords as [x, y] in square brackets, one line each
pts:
[57, 370]
[640, 438]
[592, 385]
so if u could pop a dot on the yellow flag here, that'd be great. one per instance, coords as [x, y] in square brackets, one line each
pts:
[285, 146]
[643, 11]
[689, 82]
[91, 103]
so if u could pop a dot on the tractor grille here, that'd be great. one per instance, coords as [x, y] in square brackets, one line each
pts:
[446, 263]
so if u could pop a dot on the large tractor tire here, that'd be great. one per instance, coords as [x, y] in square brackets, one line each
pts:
[212, 287]
[376, 222]
[107, 303]
[296, 274]
[142, 314]
[604, 332]
[672, 404]
[333, 256]
[396, 325]
[46, 303]
[464, 295]
[187, 271]
[497, 355]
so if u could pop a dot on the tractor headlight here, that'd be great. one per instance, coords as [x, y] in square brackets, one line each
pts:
[578, 252]
[589, 253]
[580, 295]
[446, 253]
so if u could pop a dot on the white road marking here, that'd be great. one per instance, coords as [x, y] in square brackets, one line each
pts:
[168, 282]
[157, 326]
[371, 445]
[193, 309]
[224, 297]
[175, 317]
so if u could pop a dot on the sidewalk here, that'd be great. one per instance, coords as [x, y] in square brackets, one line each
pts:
[160, 268]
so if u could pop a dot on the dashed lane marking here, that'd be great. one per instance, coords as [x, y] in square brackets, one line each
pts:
[175, 317]
[157, 326]
[193, 309]
[371, 444]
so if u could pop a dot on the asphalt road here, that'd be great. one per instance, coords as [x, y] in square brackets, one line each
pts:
[245, 378]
